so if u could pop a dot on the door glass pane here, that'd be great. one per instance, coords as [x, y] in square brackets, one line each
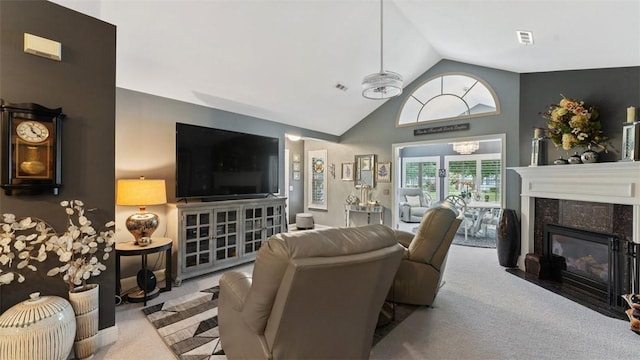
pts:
[462, 178]
[411, 176]
[489, 188]
[429, 178]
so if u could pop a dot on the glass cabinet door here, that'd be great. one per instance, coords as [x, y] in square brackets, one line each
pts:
[197, 245]
[226, 234]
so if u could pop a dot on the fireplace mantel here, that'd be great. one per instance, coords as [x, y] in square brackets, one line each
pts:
[611, 182]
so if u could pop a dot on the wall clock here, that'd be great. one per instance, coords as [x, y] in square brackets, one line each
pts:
[31, 149]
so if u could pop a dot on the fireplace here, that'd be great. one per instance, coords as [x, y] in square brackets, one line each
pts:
[590, 262]
[599, 204]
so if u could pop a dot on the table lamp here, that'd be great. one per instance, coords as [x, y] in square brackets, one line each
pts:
[141, 192]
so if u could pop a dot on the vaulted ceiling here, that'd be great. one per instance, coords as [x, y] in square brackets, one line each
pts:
[281, 60]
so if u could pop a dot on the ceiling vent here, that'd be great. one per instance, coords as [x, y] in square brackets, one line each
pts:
[341, 87]
[525, 37]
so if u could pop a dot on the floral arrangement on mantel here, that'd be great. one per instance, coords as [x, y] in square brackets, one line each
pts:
[572, 124]
[80, 248]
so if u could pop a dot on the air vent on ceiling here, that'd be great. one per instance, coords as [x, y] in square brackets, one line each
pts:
[525, 37]
[341, 87]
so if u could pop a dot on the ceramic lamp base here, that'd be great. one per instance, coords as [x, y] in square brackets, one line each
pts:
[141, 226]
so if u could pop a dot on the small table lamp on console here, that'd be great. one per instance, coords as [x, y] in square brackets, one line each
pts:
[141, 192]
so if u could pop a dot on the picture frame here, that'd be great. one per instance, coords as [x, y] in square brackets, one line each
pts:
[317, 179]
[296, 175]
[347, 171]
[296, 158]
[296, 166]
[366, 165]
[631, 142]
[383, 172]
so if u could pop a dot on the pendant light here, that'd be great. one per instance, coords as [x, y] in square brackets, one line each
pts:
[384, 84]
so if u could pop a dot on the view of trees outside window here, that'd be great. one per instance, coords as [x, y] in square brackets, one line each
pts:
[418, 173]
[477, 179]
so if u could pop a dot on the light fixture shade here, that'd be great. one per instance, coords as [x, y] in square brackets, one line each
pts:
[466, 147]
[141, 192]
[382, 85]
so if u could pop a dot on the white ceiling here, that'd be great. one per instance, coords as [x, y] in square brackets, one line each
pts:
[280, 60]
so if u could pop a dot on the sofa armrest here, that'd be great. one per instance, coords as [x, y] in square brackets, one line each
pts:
[405, 211]
[404, 237]
[236, 286]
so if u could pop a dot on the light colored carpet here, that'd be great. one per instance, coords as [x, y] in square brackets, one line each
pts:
[483, 312]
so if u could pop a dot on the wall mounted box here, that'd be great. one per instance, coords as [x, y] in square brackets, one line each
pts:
[40, 46]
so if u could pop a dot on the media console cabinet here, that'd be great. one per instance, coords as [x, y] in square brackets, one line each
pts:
[211, 236]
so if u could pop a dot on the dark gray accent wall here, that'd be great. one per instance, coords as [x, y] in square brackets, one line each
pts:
[610, 90]
[83, 84]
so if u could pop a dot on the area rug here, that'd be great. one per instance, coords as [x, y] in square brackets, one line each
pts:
[483, 242]
[189, 324]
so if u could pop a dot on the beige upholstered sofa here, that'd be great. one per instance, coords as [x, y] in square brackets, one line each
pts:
[418, 278]
[313, 294]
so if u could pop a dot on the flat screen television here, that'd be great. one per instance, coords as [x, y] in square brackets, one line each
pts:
[215, 164]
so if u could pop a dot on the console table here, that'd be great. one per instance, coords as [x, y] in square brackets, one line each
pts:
[216, 235]
[373, 209]
[129, 249]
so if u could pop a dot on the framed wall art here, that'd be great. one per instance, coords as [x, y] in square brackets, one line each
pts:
[347, 171]
[317, 178]
[383, 172]
[631, 142]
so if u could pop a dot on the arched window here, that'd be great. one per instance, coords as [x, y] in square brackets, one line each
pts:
[446, 97]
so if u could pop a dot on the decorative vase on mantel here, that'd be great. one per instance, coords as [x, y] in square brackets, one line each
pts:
[575, 159]
[560, 161]
[589, 156]
[85, 301]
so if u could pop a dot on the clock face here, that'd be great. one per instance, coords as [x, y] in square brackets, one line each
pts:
[32, 131]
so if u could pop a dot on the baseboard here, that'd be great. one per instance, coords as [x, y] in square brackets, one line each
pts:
[108, 336]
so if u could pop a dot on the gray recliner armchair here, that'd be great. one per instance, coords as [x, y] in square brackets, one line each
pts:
[413, 203]
[313, 294]
[420, 273]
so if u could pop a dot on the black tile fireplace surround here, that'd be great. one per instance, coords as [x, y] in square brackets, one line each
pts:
[588, 251]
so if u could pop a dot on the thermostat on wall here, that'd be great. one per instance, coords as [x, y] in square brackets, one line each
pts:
[40, 46]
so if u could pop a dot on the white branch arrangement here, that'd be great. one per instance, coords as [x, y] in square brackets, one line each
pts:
[80, 248]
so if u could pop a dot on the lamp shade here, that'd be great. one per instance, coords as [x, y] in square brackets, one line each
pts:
[141, 192]
[382, 85]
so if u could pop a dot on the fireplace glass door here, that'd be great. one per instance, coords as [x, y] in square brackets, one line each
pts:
[583, 258]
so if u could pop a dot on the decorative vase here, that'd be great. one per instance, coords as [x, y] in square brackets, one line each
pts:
[508, 238]
[38, 328]
[85, 301]
[560, 161]
[575, 159]
[589, 156]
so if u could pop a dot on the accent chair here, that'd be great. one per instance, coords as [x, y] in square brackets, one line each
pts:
[313, 294]
[412, 202]
[420, 273]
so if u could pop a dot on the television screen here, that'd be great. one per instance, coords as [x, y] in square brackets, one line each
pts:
[215, 164]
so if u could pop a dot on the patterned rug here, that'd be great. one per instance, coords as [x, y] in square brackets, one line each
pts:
[189, 324]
